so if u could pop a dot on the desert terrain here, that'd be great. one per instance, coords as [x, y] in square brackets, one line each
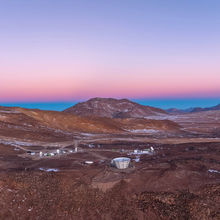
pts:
[178, 179]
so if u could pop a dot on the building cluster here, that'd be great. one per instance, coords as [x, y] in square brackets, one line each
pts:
[52, 153]
[145, 151]
[118, 163]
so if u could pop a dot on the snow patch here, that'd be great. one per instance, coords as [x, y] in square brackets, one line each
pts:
[144, 131]
[10, 190]
[137, 159]
[87, 134]
[213, 171]
[9, 111]
[49, 170]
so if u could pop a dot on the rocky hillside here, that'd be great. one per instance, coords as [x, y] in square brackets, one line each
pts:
[46, 125]
[113, 108]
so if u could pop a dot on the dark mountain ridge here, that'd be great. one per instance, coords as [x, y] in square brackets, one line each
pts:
[198, 109]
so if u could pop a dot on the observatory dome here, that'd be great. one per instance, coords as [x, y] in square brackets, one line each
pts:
[121, 162]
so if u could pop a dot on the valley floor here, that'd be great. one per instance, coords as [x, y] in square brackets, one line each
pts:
[178, 180]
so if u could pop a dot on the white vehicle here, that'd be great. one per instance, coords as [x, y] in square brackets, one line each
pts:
[88, 162]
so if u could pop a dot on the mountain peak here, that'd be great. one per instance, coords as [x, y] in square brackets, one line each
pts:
[107, 100]
[113, 108]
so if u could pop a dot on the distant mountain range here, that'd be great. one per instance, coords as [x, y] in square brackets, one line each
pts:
[197, 109]
[113, 108]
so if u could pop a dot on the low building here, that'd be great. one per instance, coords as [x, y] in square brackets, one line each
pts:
[138, 151]
[145, 151]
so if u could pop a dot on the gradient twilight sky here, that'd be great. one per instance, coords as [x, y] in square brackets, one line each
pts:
[64, 51]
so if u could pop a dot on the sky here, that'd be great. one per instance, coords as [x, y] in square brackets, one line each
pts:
[56, 53]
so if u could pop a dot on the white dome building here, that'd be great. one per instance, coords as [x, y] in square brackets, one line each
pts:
[121, 162]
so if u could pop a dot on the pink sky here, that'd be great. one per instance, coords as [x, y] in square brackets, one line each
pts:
[58, 82]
